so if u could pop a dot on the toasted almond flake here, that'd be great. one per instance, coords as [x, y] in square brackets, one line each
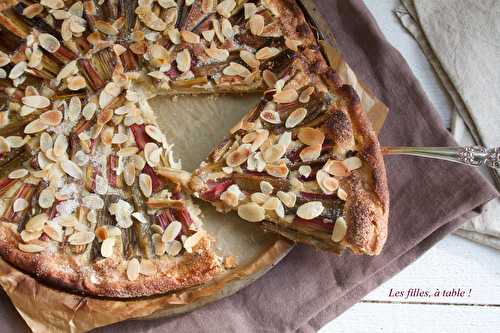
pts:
[287, 198]
[70, 168]
[353, 163]
[339, 229]
[249, 59]
[49, 42]
[256, 24]
[249, 9]
[46, 198]
[279, 170]
[191, 241]
[140, 217]
[27, 236]
[20, 204]
[267, 53]
[336, 168]
[208, 35]
[107, 247]
[127, 151]
[190, 37]
[106, 28]
[175, 36]
[4, 145]
[327, 183]
[129, 174]
[93, 201]
[167, 3]
[293, 44]
[107, 135]
[36, 101]
[251, 212]
[183, 60]
[266, 187]
[36, 223]
[342, 194]
[89, 111]
[310, 210]
[311, 136]
[60, 145]
[225, 7]
[173, 248]
[52, 4]
[239, 156]
[295, 117]
[54, 232]
[207, 6]
[217, 54]
[270, 116]
[305, 170]
[305, 95]
[154, 133]
[30, 248]
[119, 138]
[123, 110]
[18, 70]
[75, 26]
[310, 153]
[269, 78]
[273, 153]
[231, 199]
[81, 238]
[133, 269]
[68, 221]
[259, 197]
[153, 22]
[19, 173]
[4, 59]
[236, 69]
[271, 203]
[76, 82]
[16, 141]
[32, 10]
[285, 96]
[172, 231]
[148, 267]
[227, 29]
[51, 118]
[145, 184]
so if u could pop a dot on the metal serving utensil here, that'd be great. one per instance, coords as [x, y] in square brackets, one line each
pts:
[474, 155]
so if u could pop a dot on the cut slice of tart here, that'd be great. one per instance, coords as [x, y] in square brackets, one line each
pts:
[304, 163]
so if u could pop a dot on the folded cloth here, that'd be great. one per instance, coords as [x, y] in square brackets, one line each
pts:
[465, 57]
[429, 200]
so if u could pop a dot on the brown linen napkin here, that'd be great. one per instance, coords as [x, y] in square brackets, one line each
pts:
[429, 200]
[457, 46]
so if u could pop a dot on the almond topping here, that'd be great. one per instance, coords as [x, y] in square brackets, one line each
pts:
[154, 133]
[72, 169]
[295, 117]
[352, 163]
[19, 173]
[270, 116]
[81, 238]
[107, 247]
[60, 145]
[51, 118]
[251, 212]
[274, 153]
[35, 126]
[102, 233]
[145, 184]
[46, 198]
[172, 231]
[183, 60]
[339, 229]
[106, 28]
[32, 10]
[207, 6]
[249, 59]
[36, 101]
[20, 204]
[236, 69]
[133, 269]
[239, 156]
[266, 53]
[293, 44]
[190, 37]
[256, 24]
[129, 174]
[76, 82]
[148, 267]
[30, 248]
[327, 183]
[217, 54]
[286, 96]
[310, 153]
[311, 136]
[342, 194]
[173, 248]
[49, 42]
[54, 231]
[225, 7]
[305, 170]
[269, 78]
[288, 198]
[305, 95]
[310, 210]
[36, 223]
[279, 170]
[336, 168]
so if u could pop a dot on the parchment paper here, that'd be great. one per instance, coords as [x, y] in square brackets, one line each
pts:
[194, 124]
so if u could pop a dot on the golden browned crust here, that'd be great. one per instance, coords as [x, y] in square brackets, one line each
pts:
[106, 277]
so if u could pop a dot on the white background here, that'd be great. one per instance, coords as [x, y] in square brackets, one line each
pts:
[452, 263]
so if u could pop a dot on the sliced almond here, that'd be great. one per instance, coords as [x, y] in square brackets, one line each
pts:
[51, 118]
[35, 126]
[286, 96]
[19, 205]
[295, 117]
[305, 95]
[36, 101]
[342, 194]
[107, 247]
[106, 27]
[175, 36]
[93, 201]
[336, 168]
[225, 7]
[18, 70]
[36, 223]
[173, 248]
[154, 133]
[81, 238]
[327, 183]
[251, 212]
[119, 138]
[127, 151]
[191, 241]
[49, 42]
[76, 82]
[172, 231]
[16, 141]
[227, 29]
[339, 229]
[269, 78]
[140, 217]
[273, 153]
[146, 184]
[217, 54]
[30, 248]
[310, 210]
[129, 174]
[256, 24]
[235, 69]
[311, 136]
[18, 173]
[310, 153]
[287, 198]
[249, 59]
[190, 37]
[353, 163]
[267, 53]
[60, 145]
[293, 44]
[70, 168]
[102, 233]
[107, 135]
[89, 110]
[270, 116]
[239, 156]
[68, 221]
[54, 232]
[183, 60]
[133, 269]
[208, 35]
[33, 10]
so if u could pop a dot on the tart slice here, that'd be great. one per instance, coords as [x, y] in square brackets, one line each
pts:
[304, 163]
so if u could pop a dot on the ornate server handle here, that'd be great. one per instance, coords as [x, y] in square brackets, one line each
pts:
[474, 156]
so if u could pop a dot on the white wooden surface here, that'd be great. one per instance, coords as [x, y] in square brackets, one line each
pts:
[453, 263]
